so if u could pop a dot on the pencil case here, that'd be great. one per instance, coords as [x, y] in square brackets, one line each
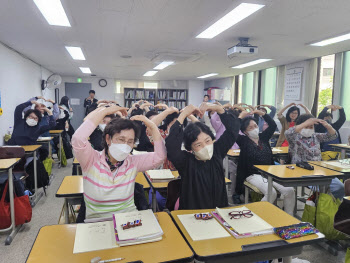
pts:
[295, 231]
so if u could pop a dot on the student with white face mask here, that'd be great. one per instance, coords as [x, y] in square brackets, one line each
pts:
[256, 150]
[109, 175]
[201, 166]
[305, 144]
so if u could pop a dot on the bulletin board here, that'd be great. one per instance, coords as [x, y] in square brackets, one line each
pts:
[293, 84]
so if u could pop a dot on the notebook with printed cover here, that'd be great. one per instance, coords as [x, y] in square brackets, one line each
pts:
[148, 231]
[160, 176]
[253, 225]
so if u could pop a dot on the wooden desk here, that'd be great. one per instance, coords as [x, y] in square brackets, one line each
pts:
[230, 248]
[326, 164]
[55, 244]
[343, 148]
[32, 150]
[161, 186]
[7, 165]
[276, 152]
[72, 189]
[296, 177]
[58, 133]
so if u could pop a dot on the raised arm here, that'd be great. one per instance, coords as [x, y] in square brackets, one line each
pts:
[307, 111]
[267, 134]
[280, 113]
[157, 120]
[342, 118]
[51, 124]
[148, 161]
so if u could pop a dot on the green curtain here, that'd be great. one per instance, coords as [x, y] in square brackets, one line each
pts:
[248, 88]
[345, 84]
[268, 86]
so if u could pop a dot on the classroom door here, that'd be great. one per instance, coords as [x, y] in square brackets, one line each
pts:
[77, 93]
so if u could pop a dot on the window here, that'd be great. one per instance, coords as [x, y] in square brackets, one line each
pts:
[268, 86]
[345, 84]
[150, 85]
[240, 80]
[248, 88]
[118, 87]
[325, 88]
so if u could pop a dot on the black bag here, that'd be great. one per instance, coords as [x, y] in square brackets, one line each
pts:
[43, 177]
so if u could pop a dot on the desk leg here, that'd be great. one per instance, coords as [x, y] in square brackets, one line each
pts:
[154, 200]
[343, 153]
[66, 210]
[36, 197]
[15, 229]
[269, 189]
[226, 166]
[60, 139]
[50, 150]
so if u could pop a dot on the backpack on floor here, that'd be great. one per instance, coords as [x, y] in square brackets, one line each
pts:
[43, 177]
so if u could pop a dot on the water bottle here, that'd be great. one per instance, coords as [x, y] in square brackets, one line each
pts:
[9, 130]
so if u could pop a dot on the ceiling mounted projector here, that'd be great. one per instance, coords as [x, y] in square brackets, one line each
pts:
[242, 48]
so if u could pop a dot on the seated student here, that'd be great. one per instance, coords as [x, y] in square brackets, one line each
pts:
[327, 151]
[262, 124]
[256, 150]
[144, 143]
[109, 175]
[304, 145]
[201, 166]
[65, 104]
[288, 121]
[27, 130]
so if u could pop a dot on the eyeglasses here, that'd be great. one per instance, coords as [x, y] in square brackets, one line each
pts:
[239, 214]
[124, 141]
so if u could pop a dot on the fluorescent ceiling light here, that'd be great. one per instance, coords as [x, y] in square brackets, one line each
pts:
[252, 63]
[150, 73]
[53, 12]
[164, 64]
[236, 15]
[331, 40]
[207, 76]
[85, 70]
[76, 53]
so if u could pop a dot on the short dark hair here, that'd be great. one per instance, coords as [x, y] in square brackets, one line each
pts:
[151, 113]
[116, 126]
[136, 111]
[291, 109]
[112, 116]
[206, 95]
[328, 114]
[192, 131]
[36, 112]
[233, 112]
[303, 118]
[92, 91]
[245, 123]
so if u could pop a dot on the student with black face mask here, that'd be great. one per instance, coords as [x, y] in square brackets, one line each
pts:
[327, 151]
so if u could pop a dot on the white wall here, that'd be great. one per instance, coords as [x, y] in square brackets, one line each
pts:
[20, 80]
[101, 93]
[195, 92]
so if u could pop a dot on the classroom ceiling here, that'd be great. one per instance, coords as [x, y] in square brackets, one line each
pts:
[154, 30]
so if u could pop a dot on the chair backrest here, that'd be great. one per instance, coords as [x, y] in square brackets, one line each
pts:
[14, 152]
[174, 188]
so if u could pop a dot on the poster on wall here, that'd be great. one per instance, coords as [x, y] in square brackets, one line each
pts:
[293, 84]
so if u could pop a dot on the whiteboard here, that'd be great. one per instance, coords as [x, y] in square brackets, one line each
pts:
[293, 84]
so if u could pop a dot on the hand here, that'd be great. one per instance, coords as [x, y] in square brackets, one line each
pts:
[161, 106]
[140, 101]
[102, 101]
[70, 109]
[190, 109]
[149, 124]
[243, 114]
[135, 105]
[50, 100]
[259, 112]
[292, 104]
[301, 105]
[147, 104]
[172, 110]
[337, 107]
[113, 109]
[60, 107]
[211, 107]
[227, 106]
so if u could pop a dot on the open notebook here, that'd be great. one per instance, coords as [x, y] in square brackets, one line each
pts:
[202, 229]
[149, 231]
[245, 225]
[159, 176]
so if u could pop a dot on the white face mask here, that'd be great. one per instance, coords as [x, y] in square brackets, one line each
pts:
[254, 134]
[307, 132]
[102, 126]
[206, 153]
[119, 151]
[31, 122]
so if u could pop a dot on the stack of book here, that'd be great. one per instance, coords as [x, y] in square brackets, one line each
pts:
[137, 227]
[160, 176]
